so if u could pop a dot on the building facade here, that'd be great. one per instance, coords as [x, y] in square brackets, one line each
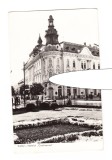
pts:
[56, 57]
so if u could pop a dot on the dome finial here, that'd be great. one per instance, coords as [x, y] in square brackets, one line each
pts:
[39, 40]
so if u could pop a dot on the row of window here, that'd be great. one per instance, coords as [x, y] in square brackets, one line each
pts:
[38, 78]
[50, 61]
[97, 67]
[60, 91]
[68, 64]
[84, 66]
[68, 91]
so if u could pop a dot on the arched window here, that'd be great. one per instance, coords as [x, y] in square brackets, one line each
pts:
[67, 62]
[50, 62]
[93, 65]
[59, 91]
[74, 64]
[68, 91]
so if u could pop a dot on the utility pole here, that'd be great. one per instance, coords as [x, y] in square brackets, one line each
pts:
[24, 81]
[63, 72]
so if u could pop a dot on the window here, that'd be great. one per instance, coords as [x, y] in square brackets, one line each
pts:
[98, 66]
[44, 70]
[59, 91]
[30, 75]
[45, 84]
[57, 71]
[93, 65]
[57, 61]
[74, 92]
[95, 91]
[50, 62]
[84, 65]
[73, 64]
[50, 74]
[73, 49]
[68, 91]
[39, 78]
[67, 48]
[67, 62]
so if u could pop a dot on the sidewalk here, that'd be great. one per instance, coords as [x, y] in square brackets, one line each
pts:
[74, 102]
[81, 102]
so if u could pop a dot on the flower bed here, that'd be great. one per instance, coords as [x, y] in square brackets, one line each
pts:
[78, 127]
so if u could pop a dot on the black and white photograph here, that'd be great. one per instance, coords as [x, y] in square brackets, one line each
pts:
[45, 43]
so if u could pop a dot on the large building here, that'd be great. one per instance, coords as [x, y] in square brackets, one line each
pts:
[56, 57]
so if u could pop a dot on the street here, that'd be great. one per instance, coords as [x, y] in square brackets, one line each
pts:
[86, 113]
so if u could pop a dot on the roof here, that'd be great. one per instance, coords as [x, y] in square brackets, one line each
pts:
[67, 47]
[77, 48]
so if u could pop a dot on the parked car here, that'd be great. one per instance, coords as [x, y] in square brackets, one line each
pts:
[31, 105]
[48, 104]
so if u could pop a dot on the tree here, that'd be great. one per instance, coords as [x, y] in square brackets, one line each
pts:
[36, 89]
[22, 89]
[12, 90]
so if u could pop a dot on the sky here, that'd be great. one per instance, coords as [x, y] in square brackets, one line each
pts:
[76, 26]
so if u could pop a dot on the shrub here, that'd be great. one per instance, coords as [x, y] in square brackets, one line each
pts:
[92, 133]
[54, 106]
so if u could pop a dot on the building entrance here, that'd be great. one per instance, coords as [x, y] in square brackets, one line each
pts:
[51, 93]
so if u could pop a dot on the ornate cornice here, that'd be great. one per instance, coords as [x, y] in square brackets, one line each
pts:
[50, 53]
[80, 56]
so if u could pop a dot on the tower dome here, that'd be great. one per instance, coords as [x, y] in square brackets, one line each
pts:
[51, 34]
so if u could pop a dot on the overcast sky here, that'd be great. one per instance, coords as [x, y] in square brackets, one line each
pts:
[77, 26]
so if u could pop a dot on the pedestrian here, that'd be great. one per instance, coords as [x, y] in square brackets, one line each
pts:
[42, 98]
[12, 101]
[19, 100]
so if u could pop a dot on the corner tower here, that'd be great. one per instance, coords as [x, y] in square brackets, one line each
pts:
[51, 34]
